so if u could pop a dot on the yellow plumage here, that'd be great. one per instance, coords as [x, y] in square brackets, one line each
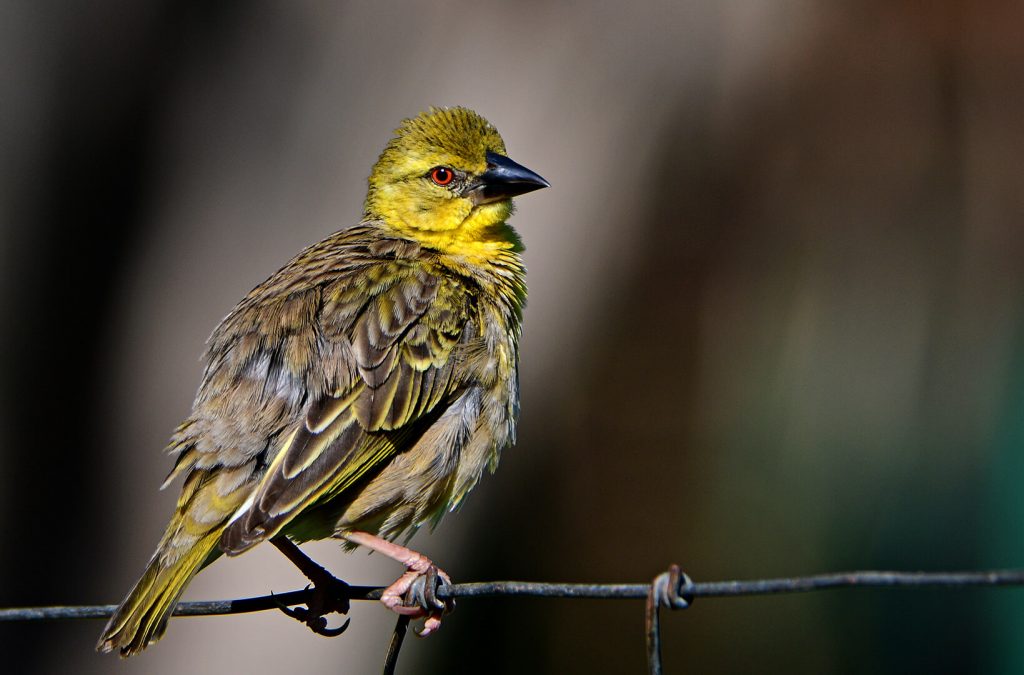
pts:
[362, 389]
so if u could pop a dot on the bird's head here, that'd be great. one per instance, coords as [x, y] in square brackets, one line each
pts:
[445, 175]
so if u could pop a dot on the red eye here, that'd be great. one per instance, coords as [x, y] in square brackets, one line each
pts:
[442, 175]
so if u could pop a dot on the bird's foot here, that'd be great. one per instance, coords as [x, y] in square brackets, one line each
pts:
[415, 594]
[329, 595]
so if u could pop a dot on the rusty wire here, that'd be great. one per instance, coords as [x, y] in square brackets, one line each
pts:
[671, 589]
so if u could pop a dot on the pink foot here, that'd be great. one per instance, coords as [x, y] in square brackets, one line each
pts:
[413, 593]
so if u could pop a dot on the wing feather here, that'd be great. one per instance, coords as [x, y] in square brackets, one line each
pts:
[403, 341]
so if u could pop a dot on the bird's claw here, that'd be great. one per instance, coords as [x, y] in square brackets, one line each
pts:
[423, 592]
[319, 626]
[329, 595]
[672, 589]
[416, 595]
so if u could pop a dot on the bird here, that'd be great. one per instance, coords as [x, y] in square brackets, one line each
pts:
[360, 392]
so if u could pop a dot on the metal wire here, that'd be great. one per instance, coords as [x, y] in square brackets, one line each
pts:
[391, 660]
[672, 589]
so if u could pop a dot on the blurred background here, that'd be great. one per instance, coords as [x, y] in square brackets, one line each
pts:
[776, 321]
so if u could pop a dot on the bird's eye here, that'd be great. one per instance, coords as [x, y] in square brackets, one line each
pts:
[442, 175]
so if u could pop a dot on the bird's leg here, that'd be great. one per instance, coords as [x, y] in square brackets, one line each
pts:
[421, 577]
[329, 592]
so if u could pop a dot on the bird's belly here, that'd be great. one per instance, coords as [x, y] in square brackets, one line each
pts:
[423, 483]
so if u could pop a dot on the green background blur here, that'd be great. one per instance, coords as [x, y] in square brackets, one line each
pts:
[776, 320]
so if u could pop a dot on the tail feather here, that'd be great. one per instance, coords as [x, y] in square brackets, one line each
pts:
[208, 498]
[142, 617]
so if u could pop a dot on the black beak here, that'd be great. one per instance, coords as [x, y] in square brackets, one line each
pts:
[505, 179]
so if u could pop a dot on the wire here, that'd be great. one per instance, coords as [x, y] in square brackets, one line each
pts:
[680, 592]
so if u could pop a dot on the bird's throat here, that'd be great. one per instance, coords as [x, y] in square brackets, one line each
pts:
[480, 237]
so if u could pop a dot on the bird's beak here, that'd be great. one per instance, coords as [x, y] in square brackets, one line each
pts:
[505, 179]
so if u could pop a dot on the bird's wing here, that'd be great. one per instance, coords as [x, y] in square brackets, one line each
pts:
[399, 346]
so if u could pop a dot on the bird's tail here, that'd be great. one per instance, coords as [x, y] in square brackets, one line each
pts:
[204, 508]
[142, 616]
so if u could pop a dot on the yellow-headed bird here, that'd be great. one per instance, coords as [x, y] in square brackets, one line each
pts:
[360, 391]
